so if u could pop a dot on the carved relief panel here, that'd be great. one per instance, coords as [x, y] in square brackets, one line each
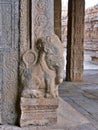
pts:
[43, 17]
[9, 17]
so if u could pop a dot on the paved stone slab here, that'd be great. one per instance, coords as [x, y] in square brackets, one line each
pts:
[84, 127]
[83, 96]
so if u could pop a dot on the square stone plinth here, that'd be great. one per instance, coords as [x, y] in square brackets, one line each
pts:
[38, 112]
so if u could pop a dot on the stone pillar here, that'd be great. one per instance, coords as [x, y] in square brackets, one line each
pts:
[42, 18]
[9, 33]
[74, 68]
[57, 17]
[41, 72]
[24, 26]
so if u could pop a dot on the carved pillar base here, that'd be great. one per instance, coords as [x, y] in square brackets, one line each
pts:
[38, 112]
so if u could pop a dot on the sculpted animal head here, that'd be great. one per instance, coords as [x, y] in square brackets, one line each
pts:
[53, 49]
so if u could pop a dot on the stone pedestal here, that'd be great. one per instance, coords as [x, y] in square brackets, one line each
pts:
[38, 112]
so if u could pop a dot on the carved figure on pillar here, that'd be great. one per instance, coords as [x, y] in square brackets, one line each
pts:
[42, 68]
[41, 73]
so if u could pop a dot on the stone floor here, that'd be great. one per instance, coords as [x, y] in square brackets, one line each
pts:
[83, 96]
[78, 109]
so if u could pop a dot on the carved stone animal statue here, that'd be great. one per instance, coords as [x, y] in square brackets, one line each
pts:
[42, 68]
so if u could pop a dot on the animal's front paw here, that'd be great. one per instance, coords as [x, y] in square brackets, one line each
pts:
[38, 94]
[30, 93]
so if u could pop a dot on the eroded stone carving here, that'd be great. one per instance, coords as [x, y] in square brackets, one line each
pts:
[41, 74]
[42, 68]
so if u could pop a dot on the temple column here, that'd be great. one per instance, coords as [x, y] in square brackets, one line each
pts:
[75, 47]
[57, 17]
[42, 18]
[41, 72]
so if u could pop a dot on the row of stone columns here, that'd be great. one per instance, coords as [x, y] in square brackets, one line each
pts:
[75, 36]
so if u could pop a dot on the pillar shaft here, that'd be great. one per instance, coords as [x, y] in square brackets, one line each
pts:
[74, 68]
[57, 17]
[42, 18]
[41, 67]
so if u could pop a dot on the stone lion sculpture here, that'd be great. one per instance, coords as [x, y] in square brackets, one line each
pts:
[42, 68]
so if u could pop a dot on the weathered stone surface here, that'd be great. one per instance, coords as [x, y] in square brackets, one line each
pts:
[41, 74]
[94, 59]
[40, 71]
[68, 119]
[91, 28]
[24, 26]
[74, 67]
[38, 112]
[9, 18]
[43, 18]
[57, 17]
[83, 96]
[9, 51]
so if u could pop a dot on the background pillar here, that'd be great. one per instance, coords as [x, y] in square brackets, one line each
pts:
[57, 17]
[75, 49]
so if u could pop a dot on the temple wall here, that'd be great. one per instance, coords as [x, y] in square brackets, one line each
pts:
[9, 37]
